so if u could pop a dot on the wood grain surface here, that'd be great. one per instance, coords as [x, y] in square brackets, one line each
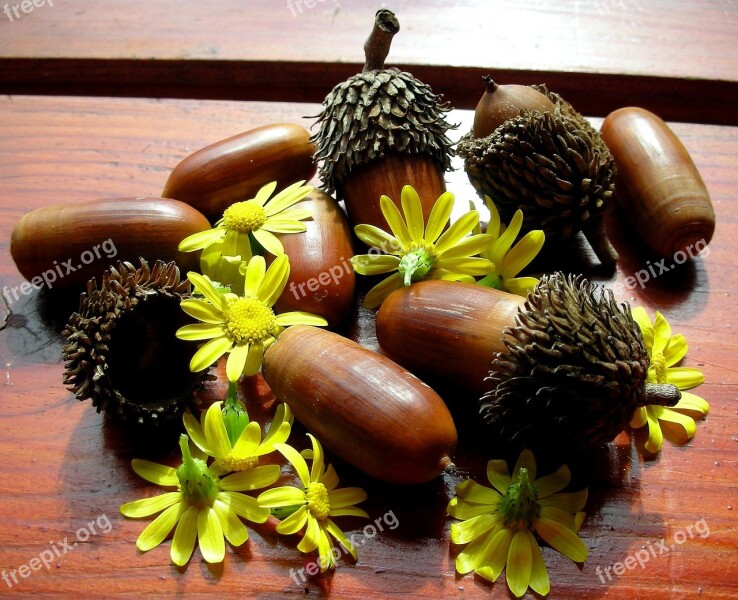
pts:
[65, 466]
[675, 57]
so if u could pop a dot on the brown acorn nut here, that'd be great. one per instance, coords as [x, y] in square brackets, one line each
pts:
[502, 102]
[445, 332]
[321, 280]
[657, 184]
[64, 245]
[371, 412]
[236, 168]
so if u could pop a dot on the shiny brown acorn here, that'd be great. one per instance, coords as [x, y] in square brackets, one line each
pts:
[372, 413]
[236, 168]
[380, 130]
[657, 183]
[64, 245]
[502, 102]
[322, 280]
[446, 333]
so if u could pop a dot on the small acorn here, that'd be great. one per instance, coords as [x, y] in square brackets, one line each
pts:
[380, 130]
[553, 165]
[121, 351]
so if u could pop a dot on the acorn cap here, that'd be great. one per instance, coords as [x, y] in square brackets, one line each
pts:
[574, 370]
[553, 166]
[121, 350]
[378, 111]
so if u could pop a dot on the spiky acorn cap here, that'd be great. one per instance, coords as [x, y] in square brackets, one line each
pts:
[574, 371]
[378, 111]
[121, 350]
[553, 166]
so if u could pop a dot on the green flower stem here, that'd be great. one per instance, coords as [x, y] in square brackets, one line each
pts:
[493, 280]
[415, 265]
[235, 416]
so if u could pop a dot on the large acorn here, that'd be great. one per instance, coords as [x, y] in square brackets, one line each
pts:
[552, 164]
[121, 351]
[574, 370]
[380, 130]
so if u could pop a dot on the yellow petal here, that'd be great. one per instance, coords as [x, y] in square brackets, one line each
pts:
[505, 241]
[269, 241]
[561, 538]
[469, 246]
[287, 197]
[284, 226]
[520, 286]
[677, 427]
[298, 317]
[157, 531]
[311, 539]
[465, 510]
[374, 264]
[466, 265]
[466, 531]
[457, 232]
[209, 353]
[413, 210]
[662, 332]
[251, 479]
[559, 515]
[555, 482]
[655, 437]
[316, 469]
[215, 431]
[384, 288]
[254, 276]
[233, 529]
[210, 535]
[346, 497]
[439, 216]
[471, 557]
[274, 280]
[519, 563]
[493, 227]
[539, 581]
[200, 331]
[348, 511]
[203, 285]
[378, 238]
[155, 473]
[330, 478]
[340, 536]
[692, 405]
[570, 502]
[295, 522]
[684, 377]
[248, 441]
[522, 253]
[640, 316]
[470, 491]
[185, 535]
[293, 214]
[254, 358]
[326, 560]
[201, 239]
[395, 221]
[498, 475]
[201, 310]
[236, 243]
[264, 192]
[298, 462]
[528, 461]
[676, 350]
[245, 506]
[495, 554]
[149, 506]
[639, 418]
[237, 361]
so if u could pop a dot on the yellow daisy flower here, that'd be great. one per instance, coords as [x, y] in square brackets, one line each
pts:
[317, 501]
[204, 507]
[499, 524]
[417, 251]
[665, 351]
[509, 260]
[223, 271]
[212, 435]
[244, 326]
[260, 217]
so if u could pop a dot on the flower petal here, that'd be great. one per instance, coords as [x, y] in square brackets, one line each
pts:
[200, 331]
[528, 461]
[215, 431]
[155, 473]
[348, 511]
[677, 427]
[639, 418]
[459, 509]
[413, 210]
[157, 531]
[293, 214]
[439, 216]
[245, 506]
[203, 285]
[299, 317]
[640, 316]
[311, 539]
[285, 495]
[272, 285]
[264, 192]
[374, 264]
[472, 556]
[330, 478]
[520, 286]
[561, 538]
[201, 239]
[346, 497]
[384, 288]
[250, 479]
[375, 237]
[466, 265]
[692, 405]
[662, 332]
[248, 441]
[295, 522]
[498, 475]
[316, 469]
[570, 502]
[471, 491]
[237, 361]
[684, 377]
[555, 482]
[519, 563]
[287, 197]
[254, 276]
[210, 535]
[494, 225]
[340, 536]
[655, 436]
[269, 241]
[201, 310]
[501, 247]
[466, 531]
[469, 246]
[495, 555]
[539, 581]
[676, 350]
[150, 506]
[233, 529]
[284, 226]
[254, 359]
[185, 535]
[209, 353]
[458, 231]
[395, 221]
[522, 253]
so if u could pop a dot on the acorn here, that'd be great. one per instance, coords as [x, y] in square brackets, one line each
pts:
[380, 130]
[121, 351]
[564, 369]
[553, 165]
[658, 185]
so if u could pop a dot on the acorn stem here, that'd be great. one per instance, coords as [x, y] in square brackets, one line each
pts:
[662, 394]
[378, 43]
[600, 243]
[490, 84]
[448, 465]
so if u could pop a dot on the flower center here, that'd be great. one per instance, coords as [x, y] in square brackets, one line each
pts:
[519, 505]
[234, 463]
[198, 485]
[249, 320]
[244, 216]
[415, 265]
[658, 362]
[317, 500]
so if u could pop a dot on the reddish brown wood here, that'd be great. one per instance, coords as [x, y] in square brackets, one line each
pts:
[65, 466]
[678, 58]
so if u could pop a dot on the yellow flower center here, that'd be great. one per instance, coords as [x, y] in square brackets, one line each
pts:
[317, 500]
[237, 463]
[244, 216]
[658, 362]
[249, 320]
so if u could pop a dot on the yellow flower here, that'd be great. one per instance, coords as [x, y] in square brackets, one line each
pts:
[259, 217]
[498, 524]
[317, 501]
[212, 436]
[204, 507]
[509, 260]
[223, 271]
[244, 326]
[417, 251]
[665, 351]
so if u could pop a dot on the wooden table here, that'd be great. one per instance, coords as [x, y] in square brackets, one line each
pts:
[64, 465]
